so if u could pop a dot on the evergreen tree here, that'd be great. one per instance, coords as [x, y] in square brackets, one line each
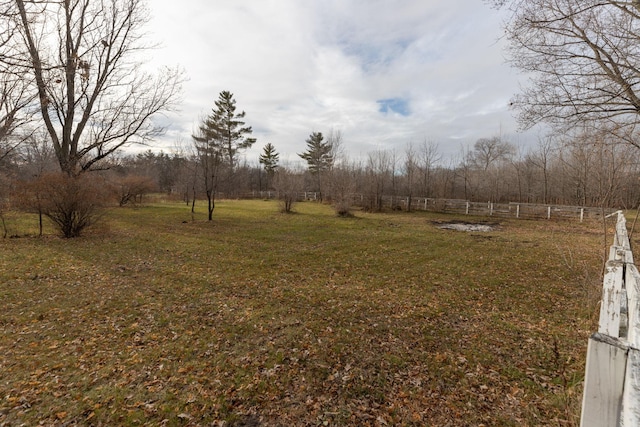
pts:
[220, 137]
[319, 157]
[269, 160]
[227, 128]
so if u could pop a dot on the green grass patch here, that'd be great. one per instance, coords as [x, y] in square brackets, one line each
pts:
[159, 317]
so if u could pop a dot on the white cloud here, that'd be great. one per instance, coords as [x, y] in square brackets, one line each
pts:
[297, 66]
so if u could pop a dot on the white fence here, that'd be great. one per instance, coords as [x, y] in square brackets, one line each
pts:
[612, 376]
[461, 206]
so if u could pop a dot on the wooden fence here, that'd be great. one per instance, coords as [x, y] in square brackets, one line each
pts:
[612, 377]
[465, 207]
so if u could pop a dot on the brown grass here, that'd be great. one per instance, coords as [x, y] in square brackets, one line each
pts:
[262, 318]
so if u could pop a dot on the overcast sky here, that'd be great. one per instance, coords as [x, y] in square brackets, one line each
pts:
[384, 73]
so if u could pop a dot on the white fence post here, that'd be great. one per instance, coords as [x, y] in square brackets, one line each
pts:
[612, 377]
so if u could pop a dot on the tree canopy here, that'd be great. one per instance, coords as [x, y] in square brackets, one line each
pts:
[583, 59]
[79, 60]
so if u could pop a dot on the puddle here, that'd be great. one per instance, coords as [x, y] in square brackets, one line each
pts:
[466, 226]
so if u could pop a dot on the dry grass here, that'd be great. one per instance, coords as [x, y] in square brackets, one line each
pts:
[262, 318]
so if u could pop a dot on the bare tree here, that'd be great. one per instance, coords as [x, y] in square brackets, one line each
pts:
[394, 159]
[16, 90]
[210, 157]
[541, 159]
[487, 151]
[336, 142]
[37, 155]
[583, 57]
[377, 174]
[288, 183]
[4, 202]
[15, 113]
[187, 177]
[595, 163]
[342, 186]
[487, 157]
[410, 172]
[466, 171]
[80, 58]
[131, 188]
[38, 159]
[429, 156]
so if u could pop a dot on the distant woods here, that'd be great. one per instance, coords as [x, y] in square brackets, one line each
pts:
[73, 95]
[586, 168]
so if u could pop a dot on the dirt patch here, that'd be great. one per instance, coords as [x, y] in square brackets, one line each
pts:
[467, 226]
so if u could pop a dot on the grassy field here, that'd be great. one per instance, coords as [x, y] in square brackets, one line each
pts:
[262, 318]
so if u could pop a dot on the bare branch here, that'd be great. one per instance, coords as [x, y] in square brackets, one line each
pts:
[93, 96]
[582, 58]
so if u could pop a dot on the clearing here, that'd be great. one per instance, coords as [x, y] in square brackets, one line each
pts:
[262, 318]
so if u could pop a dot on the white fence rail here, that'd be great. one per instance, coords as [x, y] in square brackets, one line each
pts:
[461, 206]
[612, 377]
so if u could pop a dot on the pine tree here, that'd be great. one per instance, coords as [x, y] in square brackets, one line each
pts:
[319, 157]
[227, 129]
[269, 160]
[220, 137]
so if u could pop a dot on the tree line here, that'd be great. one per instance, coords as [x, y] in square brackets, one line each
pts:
[73, 95]
[585, 168]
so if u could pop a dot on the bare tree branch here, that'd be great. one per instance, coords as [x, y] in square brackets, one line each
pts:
[93, 94]
[582, 58]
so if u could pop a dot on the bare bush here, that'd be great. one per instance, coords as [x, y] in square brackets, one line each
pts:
[131, 188]
[342, 186]
[288, 184]
[71, 203]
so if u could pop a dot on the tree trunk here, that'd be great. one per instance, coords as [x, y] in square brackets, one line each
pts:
[211, 204]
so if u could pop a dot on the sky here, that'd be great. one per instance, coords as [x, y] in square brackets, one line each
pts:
[384, 73]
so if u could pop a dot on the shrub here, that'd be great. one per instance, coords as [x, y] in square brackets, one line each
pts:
[288, 184]
[342, 187]
[131, 188]
[71, 203]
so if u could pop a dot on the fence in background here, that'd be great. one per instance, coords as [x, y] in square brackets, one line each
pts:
[612, 377]
[465, 207]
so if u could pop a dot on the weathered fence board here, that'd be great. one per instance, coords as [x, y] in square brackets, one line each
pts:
[631, 394]
[602, 399]
[611, 299]
[612, 376]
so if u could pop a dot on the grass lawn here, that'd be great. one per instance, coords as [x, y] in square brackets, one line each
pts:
[262, 318]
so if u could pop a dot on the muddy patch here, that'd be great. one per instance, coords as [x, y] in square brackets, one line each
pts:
[467, 226]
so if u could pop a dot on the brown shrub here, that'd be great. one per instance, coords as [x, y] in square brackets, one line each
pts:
[131, 188]
[71, 203]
